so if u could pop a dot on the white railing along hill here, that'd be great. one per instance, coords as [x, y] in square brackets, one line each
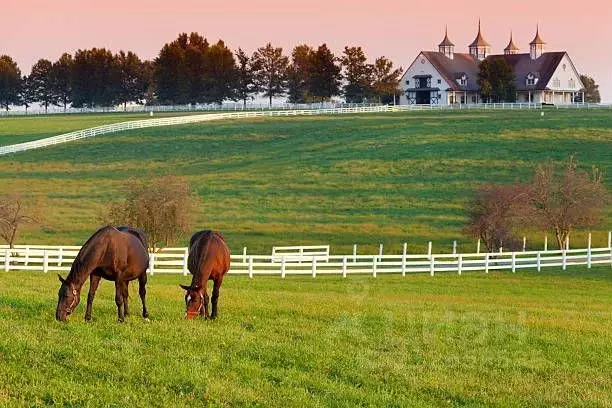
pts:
[174, 261]
[181, 120]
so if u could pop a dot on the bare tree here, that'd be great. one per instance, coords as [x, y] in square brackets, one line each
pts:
[561, 198]
[14, 213]
[164, 207]
[492, 215]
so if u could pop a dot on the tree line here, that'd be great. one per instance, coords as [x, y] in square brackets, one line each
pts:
[190, 70]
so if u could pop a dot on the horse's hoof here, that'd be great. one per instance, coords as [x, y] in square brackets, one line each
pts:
[146, 319]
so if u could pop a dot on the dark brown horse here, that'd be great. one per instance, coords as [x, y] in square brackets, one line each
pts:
[115, 254]
[209, 259]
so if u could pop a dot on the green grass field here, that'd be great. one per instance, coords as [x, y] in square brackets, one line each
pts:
[365, 179]
[515, 340]
[18, 129]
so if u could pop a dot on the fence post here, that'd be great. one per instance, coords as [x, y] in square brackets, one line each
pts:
[283, 267]
[374, 266]
[454, 247]
[567, 243]
[546, 243]
[478, 246]
[314, 267]
[380, 252]
[355, 253]
[487, 262]
[45, 261]
[564, 259]
[152, 264]
[513, 262]
[609, 239]
[244, 252]
[404, 250]
[429, 250]
[524, 244]
[431, 266]
[344, 267]
[6, 260]
[539, 261]
[60, 256]
[460, 264]
[185, 261]
[27, 255]
[589, 259]
[250, 267]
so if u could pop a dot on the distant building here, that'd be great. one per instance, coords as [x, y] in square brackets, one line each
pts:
[446, 77]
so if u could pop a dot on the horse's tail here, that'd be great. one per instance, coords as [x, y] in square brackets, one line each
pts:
[88, 250]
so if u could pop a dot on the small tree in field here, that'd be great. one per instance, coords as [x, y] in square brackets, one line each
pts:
[492, 215]
[13, 215]
[164, 208]
[562, 198]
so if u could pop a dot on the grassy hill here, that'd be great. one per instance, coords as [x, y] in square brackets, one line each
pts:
[365, 179]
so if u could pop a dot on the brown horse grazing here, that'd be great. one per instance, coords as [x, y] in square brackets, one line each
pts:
[115, 254]
[209, 259]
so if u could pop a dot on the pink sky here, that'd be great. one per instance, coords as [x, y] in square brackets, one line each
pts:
[32, 29]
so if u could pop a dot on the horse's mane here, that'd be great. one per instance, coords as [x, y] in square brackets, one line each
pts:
[196, 249]
[85, 250]
[138, 233]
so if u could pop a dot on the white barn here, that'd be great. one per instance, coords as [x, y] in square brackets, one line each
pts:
[446, 77]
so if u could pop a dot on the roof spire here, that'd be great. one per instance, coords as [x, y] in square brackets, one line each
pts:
[537, 40]
[446, 42]
[511, 48]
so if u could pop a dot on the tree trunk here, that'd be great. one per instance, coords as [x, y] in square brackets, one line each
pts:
[270, 101]
[244, 103]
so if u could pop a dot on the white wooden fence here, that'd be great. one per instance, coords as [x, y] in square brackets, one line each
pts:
[174, 261]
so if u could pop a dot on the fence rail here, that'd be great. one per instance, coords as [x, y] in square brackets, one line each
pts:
[174, 261]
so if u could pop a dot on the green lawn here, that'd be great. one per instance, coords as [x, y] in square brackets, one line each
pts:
[503, 339]
[18, 129]
[365, 179]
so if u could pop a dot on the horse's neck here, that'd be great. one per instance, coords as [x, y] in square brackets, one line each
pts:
[78, 276]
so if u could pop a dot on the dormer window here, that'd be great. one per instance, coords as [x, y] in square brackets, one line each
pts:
[531, 79]
[462, 80]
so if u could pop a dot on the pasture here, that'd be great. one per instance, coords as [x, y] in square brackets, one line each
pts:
[503, 339]
[364, 179]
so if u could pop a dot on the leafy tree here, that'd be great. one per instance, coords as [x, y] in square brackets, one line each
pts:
[497, 80]
[385, 79]
[221, 74]
[591, 89]
[96, 78]
[171, 77]
[245, 85]
[325, 74]
[484, 80]
[61, 79]
[164, 207]
[10, 82]
[298, 74]
[27, 94]
[41, 84]
[196, 64]
[272, 70]
[561, 198]
[358, 75]
[133, 78]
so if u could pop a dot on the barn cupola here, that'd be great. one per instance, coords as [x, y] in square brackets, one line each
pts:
[511, 49]
[447, 47]
[480, 48]
[537, 45]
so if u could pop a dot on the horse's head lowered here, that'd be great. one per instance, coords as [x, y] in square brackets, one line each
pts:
[68, 298]
[194, 301]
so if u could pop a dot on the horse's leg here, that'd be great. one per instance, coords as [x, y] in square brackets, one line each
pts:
[205, 300]
[125, 294]
[119, 299]
[94, 281]
[215, 296]
[142, 291]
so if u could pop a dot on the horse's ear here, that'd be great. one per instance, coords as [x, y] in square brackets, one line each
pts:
[61, 279]
[185, 287]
